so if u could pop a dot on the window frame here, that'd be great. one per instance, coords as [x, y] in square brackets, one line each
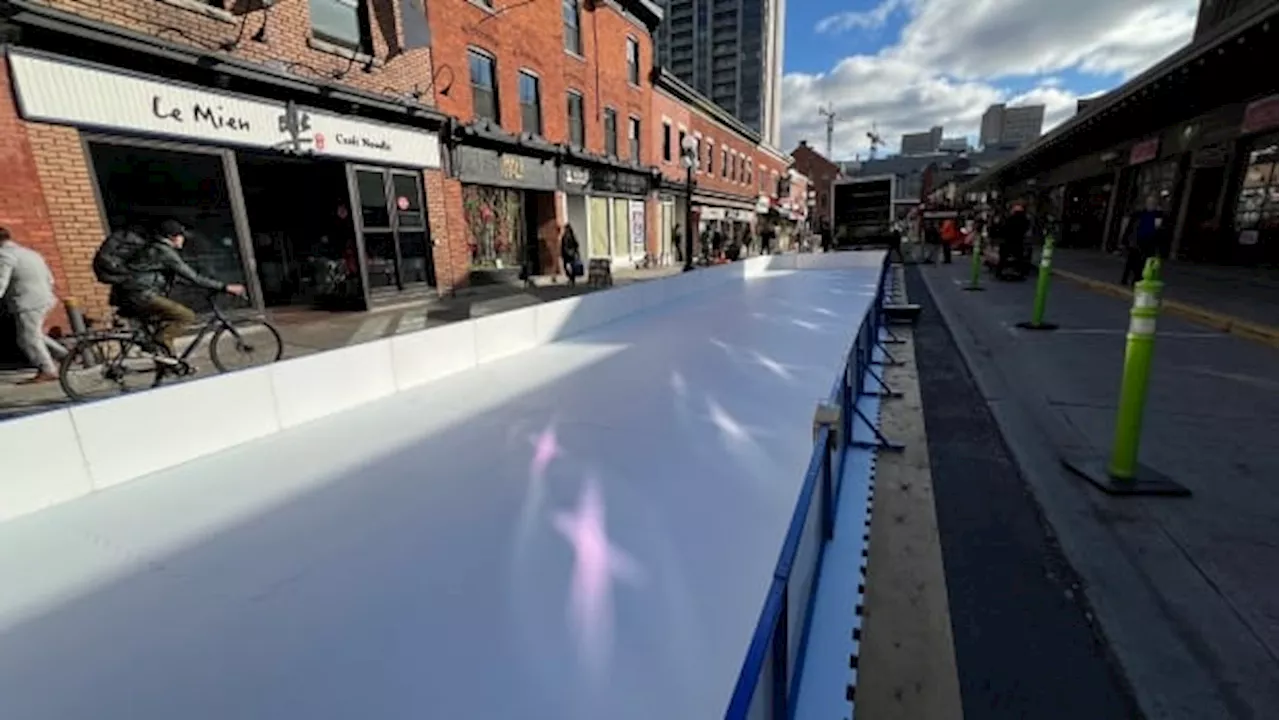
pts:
[576, 50]
[635, 145]
[633, 69]
[530, 74]
[610, 123]
[478, 52]
[364, 32]
[666, 141]
[581, 125]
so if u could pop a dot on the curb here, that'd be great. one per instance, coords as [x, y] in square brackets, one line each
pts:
[1217, 321]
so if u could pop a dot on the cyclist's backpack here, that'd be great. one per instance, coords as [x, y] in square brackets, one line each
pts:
[111, 261]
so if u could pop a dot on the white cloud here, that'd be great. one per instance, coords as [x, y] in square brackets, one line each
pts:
[865, 19]
[951, 57]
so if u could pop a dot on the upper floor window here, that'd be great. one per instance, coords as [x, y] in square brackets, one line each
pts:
[633, 139]
[711, 150]
[484, 85]
[577, 123]
[633, 61]
[342, 22]
[530, 103]
[572, 26]
[666, 142]
[724, 162]
[611, 132]
[681, 143]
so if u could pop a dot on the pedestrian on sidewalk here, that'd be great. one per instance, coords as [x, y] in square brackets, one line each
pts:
[1141, 232]
[26, 288]
[570, 254]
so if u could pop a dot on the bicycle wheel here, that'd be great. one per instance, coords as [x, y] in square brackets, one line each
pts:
[245, 344]
[105, 366]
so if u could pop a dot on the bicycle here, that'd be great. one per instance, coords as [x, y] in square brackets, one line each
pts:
[130, 351]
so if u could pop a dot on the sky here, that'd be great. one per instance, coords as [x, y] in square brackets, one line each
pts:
[907, 65]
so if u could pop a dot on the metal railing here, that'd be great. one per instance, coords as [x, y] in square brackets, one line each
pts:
[770, 676]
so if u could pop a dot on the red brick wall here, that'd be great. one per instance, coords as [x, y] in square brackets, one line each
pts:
[194, 23]
[665, 106]
[821, 173]
[22, 203]
[717, 137]
[530, 36]
[73, 210]
[449, 246]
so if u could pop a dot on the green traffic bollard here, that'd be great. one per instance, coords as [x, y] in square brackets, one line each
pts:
[975, 267]
[1138, 351]
[1042, 289]
[1123, 475]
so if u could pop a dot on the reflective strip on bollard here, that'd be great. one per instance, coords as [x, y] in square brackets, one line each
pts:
[1145, 299]
[1142, 326]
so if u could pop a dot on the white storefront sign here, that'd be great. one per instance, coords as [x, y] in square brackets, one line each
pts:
[67, 93]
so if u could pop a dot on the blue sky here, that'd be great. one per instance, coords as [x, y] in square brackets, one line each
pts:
[906, 65]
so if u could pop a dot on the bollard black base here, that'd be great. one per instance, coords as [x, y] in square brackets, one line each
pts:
[1148, 481]
[1033, 326]
[973, 288]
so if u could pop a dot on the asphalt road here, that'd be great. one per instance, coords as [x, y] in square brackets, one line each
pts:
[1024, 643]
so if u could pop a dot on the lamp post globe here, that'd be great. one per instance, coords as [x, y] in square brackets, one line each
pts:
[688, 159]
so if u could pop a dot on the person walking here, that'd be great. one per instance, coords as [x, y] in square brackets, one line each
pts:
[26, 287]
[1142, 231]
[570, 254]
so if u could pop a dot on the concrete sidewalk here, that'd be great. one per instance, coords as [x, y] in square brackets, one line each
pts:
[1239, 300]
[307, 331]
[1184, 590]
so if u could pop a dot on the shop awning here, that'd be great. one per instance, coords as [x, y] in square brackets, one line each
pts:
[321, 92]
[1234, 64]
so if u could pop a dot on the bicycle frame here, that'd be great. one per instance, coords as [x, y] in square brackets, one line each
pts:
[209, 327]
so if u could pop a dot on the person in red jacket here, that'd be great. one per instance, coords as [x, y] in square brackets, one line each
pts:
[950, 238]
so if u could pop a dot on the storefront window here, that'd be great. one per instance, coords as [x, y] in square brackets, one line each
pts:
[1156, 180]
[141, 186]
[494, 219]
[1258, 204]
[599, 211]
[621, 228]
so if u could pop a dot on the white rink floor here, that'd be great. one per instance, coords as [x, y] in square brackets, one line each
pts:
[434, 555]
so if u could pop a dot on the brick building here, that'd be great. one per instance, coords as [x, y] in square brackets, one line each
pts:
[302, 152]
[736, 178]
[552, 104]
[822, 174]
[352, 154]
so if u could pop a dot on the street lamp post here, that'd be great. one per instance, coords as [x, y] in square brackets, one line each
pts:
[688, 159]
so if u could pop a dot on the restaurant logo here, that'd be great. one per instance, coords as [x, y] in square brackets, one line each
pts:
[294, 123]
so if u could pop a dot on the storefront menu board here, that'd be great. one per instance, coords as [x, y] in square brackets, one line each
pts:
[71, 93]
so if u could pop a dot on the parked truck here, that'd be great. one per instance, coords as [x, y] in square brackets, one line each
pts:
[862, 212]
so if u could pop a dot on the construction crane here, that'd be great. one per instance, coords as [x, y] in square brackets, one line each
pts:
[873, 136]
[829, 112]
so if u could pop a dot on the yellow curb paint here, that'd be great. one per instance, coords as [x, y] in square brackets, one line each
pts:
[1217, 321]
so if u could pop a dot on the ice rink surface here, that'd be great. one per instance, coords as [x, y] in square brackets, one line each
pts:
[585, 530]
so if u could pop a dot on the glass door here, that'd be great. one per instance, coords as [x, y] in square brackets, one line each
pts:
[395, 241]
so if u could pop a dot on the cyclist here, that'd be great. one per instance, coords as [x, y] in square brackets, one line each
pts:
[142, 274]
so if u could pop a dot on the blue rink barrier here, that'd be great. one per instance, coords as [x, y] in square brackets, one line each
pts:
[769, 680]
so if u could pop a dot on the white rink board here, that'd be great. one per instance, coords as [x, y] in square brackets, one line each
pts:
[396, 560]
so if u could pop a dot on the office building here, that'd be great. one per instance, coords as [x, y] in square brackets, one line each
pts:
[922, 143]
[731, 52]
[1011, 125]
